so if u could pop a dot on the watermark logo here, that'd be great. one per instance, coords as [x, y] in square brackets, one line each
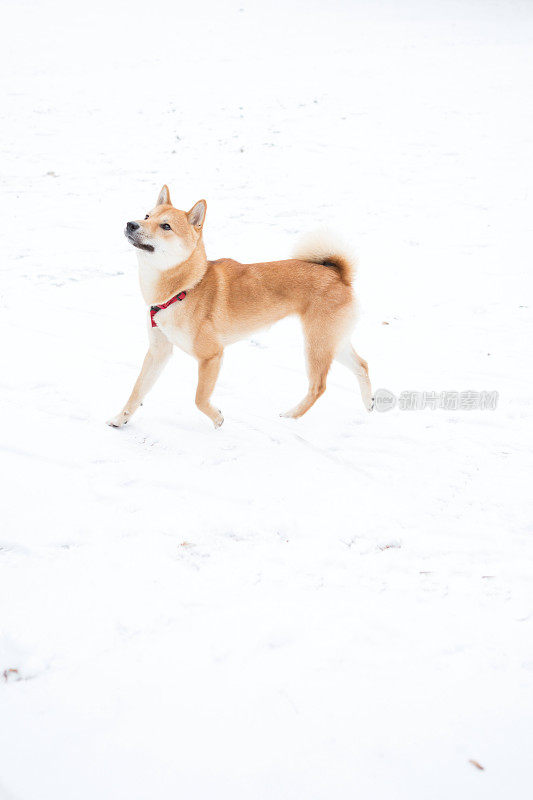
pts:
[384, 400]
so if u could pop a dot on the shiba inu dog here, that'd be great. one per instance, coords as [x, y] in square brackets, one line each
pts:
[201, 306]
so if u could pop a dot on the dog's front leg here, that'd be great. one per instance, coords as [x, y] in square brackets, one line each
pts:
[208, 369]
[159, 351]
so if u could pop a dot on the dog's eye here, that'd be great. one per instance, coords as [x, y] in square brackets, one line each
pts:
[146, 217]
[165, 226]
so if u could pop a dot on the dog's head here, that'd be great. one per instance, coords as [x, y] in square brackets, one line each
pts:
[167, 234]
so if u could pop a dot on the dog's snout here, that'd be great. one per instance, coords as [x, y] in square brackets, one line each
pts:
[132, 226]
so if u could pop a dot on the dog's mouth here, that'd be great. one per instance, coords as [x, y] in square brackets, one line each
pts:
[137, 243]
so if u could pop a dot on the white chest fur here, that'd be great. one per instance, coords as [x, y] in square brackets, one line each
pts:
[172, 322]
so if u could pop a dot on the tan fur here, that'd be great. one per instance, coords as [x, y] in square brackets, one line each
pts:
[226, 301]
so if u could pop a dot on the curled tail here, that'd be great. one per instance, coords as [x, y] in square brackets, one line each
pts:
[325, 247]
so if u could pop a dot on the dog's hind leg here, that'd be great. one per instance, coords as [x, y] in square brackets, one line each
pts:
[159, 352]
[346, 355]
[208, 369]
[319, 354]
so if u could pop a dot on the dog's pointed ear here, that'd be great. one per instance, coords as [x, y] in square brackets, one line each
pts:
[196, 215]
[164, 197]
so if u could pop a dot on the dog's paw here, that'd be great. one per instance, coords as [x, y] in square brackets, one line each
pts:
[370, 405]
[118, 421]
[292, 413]
[219, 419]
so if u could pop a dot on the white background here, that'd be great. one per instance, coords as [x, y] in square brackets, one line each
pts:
[331, 608]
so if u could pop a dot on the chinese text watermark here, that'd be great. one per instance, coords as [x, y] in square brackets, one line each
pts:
[384, 400]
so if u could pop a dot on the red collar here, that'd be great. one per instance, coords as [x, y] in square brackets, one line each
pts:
[155, 309]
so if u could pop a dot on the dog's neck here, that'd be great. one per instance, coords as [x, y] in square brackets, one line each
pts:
[159, 285]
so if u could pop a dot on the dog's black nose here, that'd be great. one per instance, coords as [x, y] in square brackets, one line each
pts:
[131, 226]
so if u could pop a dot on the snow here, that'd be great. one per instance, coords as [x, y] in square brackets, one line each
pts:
[335, 607]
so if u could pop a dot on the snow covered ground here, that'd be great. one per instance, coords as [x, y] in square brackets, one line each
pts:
[337, 607]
